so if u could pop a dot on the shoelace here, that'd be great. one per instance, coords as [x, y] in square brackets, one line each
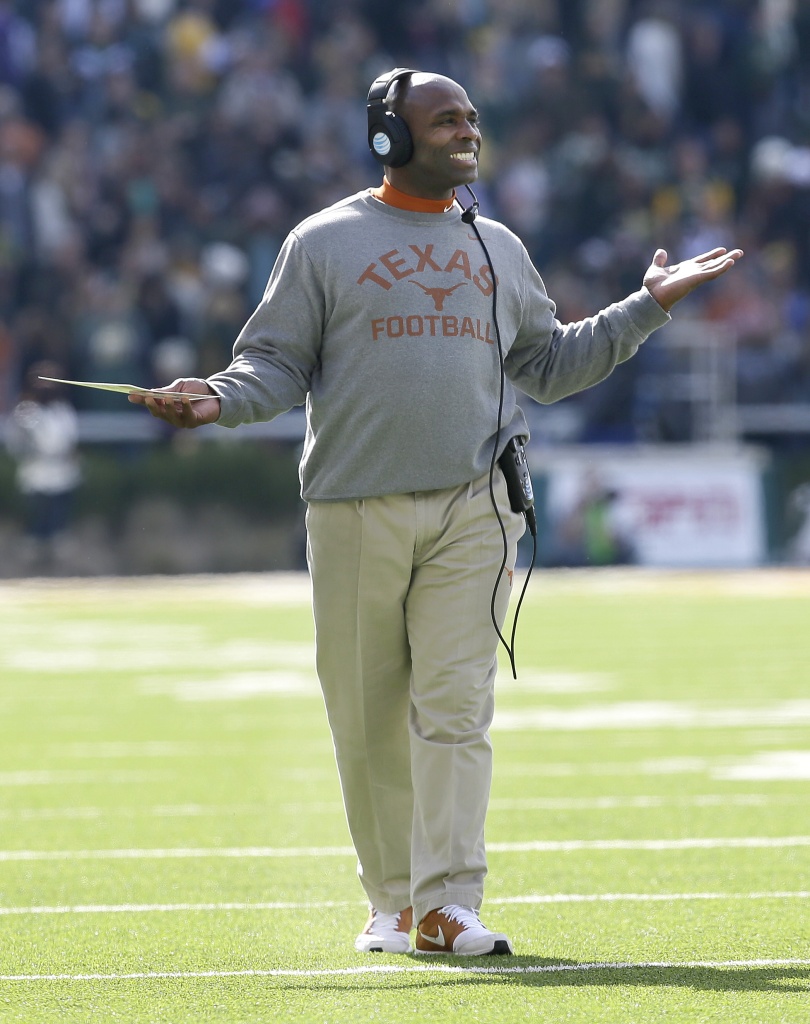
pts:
[465, 916]
[384, 922]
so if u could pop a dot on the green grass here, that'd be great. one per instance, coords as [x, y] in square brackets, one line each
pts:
[173, 848]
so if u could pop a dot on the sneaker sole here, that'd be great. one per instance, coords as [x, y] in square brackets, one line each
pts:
[501, 947]
[381, 947]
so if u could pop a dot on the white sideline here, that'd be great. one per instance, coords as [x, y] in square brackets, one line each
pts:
[534, 898]
[419, 969]
[532, 846]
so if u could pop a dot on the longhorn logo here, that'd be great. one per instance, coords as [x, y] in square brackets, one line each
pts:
[438, 294]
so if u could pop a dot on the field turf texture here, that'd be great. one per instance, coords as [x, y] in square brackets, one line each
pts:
[173, 846]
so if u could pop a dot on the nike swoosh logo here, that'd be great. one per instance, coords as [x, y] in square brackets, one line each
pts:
[437, 941]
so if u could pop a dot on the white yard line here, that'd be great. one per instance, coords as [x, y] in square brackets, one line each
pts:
[645, 897]
[256, 589]
[652, 714]
[69, 777]
[595, 803]
[532, 846]
[419, 968]
[20, 814]
[171, 908]
[610, 803]
[285, 588]
[563, 845]
[179, 853]
[530, 899]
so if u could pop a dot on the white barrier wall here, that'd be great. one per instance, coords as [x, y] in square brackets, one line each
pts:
[668, 506]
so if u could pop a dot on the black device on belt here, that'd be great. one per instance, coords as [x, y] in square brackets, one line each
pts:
[515, 469]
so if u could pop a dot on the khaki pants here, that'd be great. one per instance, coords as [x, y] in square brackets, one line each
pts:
[406, 656]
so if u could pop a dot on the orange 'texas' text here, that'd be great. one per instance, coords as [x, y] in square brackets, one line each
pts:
[393, 266]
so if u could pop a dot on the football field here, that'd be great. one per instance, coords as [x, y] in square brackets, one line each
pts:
[173, 846]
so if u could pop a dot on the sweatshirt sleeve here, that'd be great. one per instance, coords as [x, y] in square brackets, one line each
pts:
[549, 360]
[279, 347]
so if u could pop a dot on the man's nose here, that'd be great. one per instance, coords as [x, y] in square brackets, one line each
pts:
[469, 130]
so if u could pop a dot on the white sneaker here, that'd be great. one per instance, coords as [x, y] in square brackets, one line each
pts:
[458, 930]
[386, 933]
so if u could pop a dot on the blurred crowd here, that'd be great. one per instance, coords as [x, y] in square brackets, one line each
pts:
[154, 153]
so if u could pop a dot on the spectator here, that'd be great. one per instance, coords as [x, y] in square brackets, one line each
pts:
[42, 439]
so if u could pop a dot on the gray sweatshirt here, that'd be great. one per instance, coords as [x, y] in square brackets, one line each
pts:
[381, 320]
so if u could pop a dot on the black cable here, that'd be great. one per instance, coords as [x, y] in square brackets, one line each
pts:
[522, 595]
[468, 216]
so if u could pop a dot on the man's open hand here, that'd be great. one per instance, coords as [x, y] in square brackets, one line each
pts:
[182, 412]
[669, 284]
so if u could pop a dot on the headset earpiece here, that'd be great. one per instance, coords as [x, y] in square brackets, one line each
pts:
[390, 140]
[389, 137]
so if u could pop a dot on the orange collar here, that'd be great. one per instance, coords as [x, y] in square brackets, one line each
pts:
[386, 193]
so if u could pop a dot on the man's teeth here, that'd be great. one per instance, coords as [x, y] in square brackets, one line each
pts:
[464, 156]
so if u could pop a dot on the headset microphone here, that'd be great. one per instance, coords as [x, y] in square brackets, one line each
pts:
[469, 215]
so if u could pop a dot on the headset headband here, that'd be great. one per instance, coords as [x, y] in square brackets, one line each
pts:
[380, 86]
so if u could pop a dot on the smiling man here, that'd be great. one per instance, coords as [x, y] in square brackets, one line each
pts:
[411, 398]
[439, 114]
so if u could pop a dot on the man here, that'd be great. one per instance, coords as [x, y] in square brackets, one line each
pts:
[383, 314]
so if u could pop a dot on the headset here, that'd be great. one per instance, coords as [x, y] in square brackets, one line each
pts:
[389, 137]
[391, 145]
